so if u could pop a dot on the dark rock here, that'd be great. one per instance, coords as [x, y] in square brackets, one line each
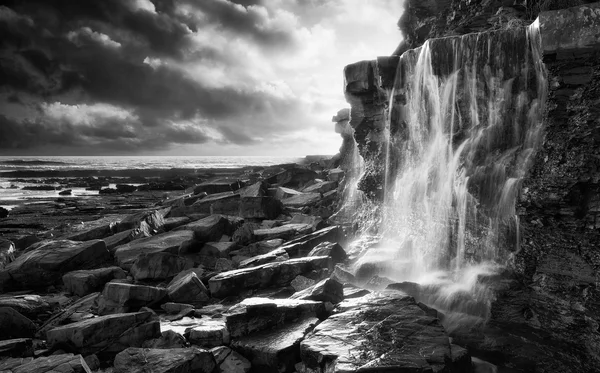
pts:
[109, 334]
[230, 361]
[257, 314]
[168, 339]
[171, 242]
[187, 288]
[208, 333]
[222, 203]
[15, 325]
[328, 290]
[258, 248]
[208, 229]
[83, 305]
[302, 246]
[321, 187]
[263, 276]
[120, 298]
[301, 283]
[45, 265]
[277, 255]
[63, 363]
[218, 186]
[378, 332]
[3, 213]
[122, 238]
[275, 350]
[32, 306]
[158, 266]
[151, 222]
[126, 188]
[175, 360]
[285, 231]
[330, 249]
[66, 192]
[302, 200]
[351, 291]
[84, 282]
[293, 177]
[172, 223]
[20, 347]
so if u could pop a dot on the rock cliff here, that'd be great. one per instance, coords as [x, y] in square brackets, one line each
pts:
[546, 314]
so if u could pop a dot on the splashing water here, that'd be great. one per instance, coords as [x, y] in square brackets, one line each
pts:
[470, 119]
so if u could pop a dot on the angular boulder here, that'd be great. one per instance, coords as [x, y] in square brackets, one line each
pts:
[174, 360]
[158, 266]
[15, 325]
[328, 290]
[149, 221]
[111, 333]
[170, 242]
[277, 255]
[321, 187]
[258, 248]
[222, 203]
[187, 288]
[230, 361]
[378, 332]
[208, 229]
[302, 246]
[276, 350]
[253, 315]
[121, 238]
[264, 276]
[83, 282]
[49, 261]
[302, 200]
[32, 306]
[208, 333]
[333, 250]
[119, 297]
[7, 252]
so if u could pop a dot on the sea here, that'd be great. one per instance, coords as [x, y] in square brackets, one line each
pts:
[11, 191]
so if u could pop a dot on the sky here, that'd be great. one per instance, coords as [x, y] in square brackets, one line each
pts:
[182, 77]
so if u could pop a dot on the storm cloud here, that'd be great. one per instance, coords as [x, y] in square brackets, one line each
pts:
[141, 76]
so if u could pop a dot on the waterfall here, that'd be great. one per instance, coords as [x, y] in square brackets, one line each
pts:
[469, 120]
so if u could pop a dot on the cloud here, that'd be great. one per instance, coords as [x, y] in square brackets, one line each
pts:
[236, 77]
[85, 34]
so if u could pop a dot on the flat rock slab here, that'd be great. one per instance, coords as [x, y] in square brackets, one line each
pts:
[277, 255]
[119, 297]
[158, 266]
[82, 283]
[302, 200]
[174, 360]
[65, 363]
[111, 333]
[285, 232]
[321, 187]
[258, 248]
[208, 333]
[256, 314]
[267, 275]
[275, 350]
[170, 242]
[378, 332]
[302, 246]
[50, 260]
[208, 229]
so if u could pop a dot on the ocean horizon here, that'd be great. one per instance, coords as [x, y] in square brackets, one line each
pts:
[32, 163]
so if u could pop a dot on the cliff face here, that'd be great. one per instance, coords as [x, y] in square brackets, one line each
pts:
[547, 318]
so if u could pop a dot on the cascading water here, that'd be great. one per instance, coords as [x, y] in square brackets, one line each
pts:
[469, 116]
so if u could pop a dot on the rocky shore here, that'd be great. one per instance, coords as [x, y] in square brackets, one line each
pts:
[242, 272]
